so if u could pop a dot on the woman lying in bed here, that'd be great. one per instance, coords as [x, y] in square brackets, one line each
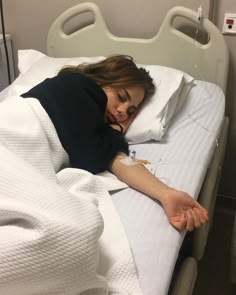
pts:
[91, 107]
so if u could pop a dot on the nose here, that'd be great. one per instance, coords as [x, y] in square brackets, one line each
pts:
[122, 108]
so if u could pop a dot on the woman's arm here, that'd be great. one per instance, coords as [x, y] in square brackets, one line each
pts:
[182, 210]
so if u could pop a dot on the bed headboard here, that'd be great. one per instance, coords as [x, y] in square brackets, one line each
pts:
[169, 47]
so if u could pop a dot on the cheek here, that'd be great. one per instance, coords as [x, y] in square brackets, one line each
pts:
[111, 101]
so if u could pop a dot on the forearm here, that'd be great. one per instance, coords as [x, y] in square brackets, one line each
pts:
[182, 210]
[138, 177]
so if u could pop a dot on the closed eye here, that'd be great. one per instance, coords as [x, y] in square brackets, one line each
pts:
[122, 98]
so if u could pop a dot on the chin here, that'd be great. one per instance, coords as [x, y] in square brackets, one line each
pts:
[121, 121]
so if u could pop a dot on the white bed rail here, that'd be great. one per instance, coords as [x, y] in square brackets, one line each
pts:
[169, 47]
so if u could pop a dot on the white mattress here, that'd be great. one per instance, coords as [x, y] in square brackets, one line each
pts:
[180, 160]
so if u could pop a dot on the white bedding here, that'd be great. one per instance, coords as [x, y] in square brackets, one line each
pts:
[180, 160]
[56, 225]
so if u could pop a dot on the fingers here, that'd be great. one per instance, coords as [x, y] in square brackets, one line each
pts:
[195, 218]
[184, 212]
[190, 220]
[198, 206]
[179, 222]
[202, 213]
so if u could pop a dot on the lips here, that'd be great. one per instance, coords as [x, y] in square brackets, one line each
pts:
[111, 118]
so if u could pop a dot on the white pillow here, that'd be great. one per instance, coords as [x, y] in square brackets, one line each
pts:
[172, 87]
[34, 67]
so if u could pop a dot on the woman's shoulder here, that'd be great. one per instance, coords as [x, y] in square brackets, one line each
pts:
[69, 75]
[79, 79]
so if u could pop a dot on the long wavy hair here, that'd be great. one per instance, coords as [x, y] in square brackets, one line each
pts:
[116, 71]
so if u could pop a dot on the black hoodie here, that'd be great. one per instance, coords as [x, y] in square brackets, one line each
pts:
[76, 106]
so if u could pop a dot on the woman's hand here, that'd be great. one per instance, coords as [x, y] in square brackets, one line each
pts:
[183, 211]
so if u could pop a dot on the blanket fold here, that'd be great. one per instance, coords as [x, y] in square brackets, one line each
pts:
[60, 233]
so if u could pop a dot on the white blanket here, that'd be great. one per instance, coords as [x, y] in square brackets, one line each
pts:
[60, 233]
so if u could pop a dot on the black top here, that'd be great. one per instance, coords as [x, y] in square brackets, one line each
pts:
[76, 106]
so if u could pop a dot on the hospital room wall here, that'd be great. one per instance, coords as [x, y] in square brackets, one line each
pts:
[28, 23]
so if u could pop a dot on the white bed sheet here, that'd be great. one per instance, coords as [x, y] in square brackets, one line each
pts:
[181, 160]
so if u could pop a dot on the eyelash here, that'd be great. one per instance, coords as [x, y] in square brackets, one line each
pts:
[121, 98]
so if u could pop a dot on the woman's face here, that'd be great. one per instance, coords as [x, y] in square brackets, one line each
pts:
[122, 102]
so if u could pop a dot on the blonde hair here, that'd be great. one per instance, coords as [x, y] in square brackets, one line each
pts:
[116, 71]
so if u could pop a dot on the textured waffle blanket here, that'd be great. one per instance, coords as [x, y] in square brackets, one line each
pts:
[59, 231]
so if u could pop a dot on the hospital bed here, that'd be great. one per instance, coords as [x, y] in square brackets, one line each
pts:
[208, 62]
[190, 154]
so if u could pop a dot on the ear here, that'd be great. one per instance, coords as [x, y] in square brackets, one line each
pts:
[107, 89]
